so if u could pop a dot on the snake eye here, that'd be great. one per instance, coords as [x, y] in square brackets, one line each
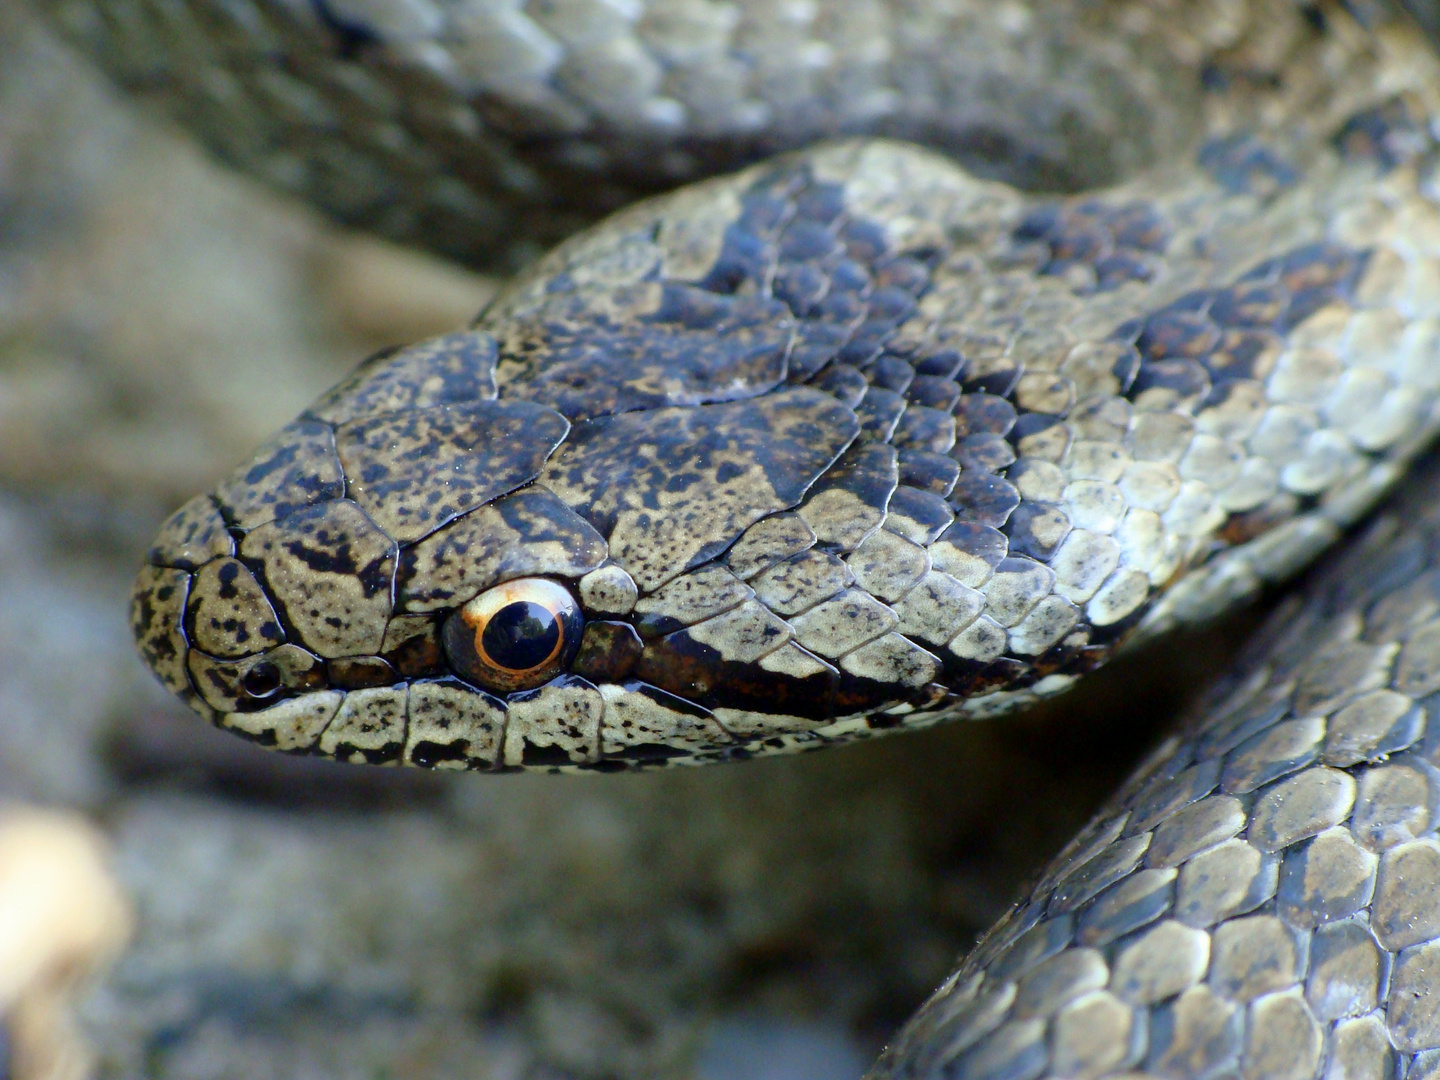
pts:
[514, 636]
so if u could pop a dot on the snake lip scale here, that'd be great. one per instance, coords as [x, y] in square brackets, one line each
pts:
[859, 439]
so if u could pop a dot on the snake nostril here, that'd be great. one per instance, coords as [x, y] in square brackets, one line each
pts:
[261, 681]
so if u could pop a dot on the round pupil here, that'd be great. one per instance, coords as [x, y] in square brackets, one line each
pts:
[520, 635]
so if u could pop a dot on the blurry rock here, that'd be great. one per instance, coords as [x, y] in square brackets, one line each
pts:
[754, 1048]
[65, 658]
[62, 919]
[387, 294]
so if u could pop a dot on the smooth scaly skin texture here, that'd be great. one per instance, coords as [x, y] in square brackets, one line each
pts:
[489, 130]
[1262, 898]
[853, 442]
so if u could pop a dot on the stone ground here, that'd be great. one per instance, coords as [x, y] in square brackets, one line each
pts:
[307, 920]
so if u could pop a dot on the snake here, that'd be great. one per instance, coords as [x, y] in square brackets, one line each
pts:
[1024, 332]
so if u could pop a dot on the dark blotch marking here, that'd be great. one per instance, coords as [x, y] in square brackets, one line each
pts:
[608, 651]
[1187, 379]
[1390, 134]
[879, 411]
[192, 536]
[983, 542]
[1177, 334]
[999, 381]
[695, 347]
[934, 392]
[545, 757]
[418, 655]
[414, 471]
[428, 754]
[927, 471]
[541, 536]
[445, 370]
[923, 429]
[351, 37]
[980, 414]
[1243, 165]
[694, 671]
[1036, 529]
[359, 672]
[869, 471]
[942, 363]
[837, 275]
[1197, 344]
[620, 473]
[640, 753]
[890, 373]
[227, 576]
[984, 499]
[1248, 304]
[927, 509]
[842, 382]
[295, 469]
[1115, 241]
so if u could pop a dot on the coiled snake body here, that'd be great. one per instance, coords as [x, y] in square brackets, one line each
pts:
[857, 440]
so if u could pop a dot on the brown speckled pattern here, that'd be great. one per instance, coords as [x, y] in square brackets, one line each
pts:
[1262, 899]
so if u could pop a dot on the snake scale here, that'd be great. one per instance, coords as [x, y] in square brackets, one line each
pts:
[859, 439]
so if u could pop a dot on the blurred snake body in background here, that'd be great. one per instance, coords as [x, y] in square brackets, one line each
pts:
[868, 436]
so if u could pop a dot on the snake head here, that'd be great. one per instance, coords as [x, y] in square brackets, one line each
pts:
[620, 522]
[747, 470]
[420, 570]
